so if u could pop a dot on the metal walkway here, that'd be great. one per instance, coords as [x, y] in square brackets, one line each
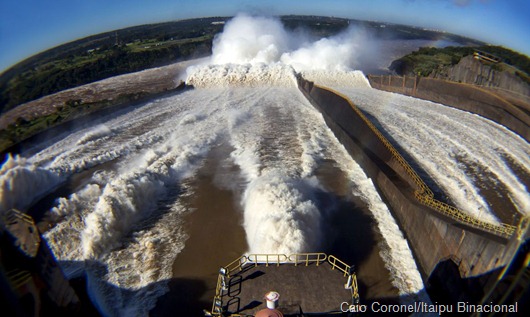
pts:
[308, 283]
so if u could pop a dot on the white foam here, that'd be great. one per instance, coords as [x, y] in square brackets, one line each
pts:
[125, 281]
[142, 181]
[313, 143]
[140, 271]
[337, 78]
[123, 202]
[22, 183]
[247, 39]
[395, 250]
[77, 202]
[264, 40]
[280, 216]
[158, 146]
[439, 138]
[110, 220]
[65, 238]
[98, 132]
[241, 75]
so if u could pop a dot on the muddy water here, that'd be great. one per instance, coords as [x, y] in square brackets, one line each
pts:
[353, 235]
[200, 215]
[215, 238]
[216, 235]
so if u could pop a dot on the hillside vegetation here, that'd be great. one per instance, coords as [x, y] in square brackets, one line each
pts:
[427, 60]
[132, 49]
[105, 55]
[124, 51]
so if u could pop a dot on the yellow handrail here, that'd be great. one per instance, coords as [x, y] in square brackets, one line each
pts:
[18, 277]
[13, 215]
[346, 269]
[317, 258]
[267, 259]
[236, 264]
[217, 305]
[423, 193]
[341, 266]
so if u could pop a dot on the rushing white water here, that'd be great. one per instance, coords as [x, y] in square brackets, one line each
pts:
[237, 75]
[263, 40]
[395, 250]
[445, 141]
[337, 78]
[122, 223]
[22, 182]
[124, 226]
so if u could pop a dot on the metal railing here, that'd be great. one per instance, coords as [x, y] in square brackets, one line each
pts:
[307, 258]
[338, 264]
[348, 271]
[423, 193]
[480, 55]
[18, 278]
[237, 264]
[267, 259]
[296, 259]
[12, 216]
[395, 154]
[271, 259]
[455, 213]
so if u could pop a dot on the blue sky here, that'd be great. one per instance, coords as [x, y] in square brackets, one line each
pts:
[31, 26]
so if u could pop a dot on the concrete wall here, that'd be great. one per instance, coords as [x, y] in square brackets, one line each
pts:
[472, 71]
[462, 96]
[433, 237]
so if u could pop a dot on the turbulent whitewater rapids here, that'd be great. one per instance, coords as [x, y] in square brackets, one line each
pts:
[122, 224]
[477, 163]
[130, 176]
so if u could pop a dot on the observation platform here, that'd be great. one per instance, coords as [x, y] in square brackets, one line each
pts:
[307, 283]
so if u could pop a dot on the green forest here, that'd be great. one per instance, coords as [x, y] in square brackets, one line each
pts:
[105, 55]
[136, 48]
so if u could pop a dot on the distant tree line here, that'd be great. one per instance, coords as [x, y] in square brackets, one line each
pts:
[71, 64]
[62, 68]
[117, 60]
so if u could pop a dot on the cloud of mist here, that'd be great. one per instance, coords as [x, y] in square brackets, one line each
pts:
[247, 39]
[341, 52]
[250, 40]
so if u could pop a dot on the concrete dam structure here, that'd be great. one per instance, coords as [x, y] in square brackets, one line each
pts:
[449, 246]
[138, 206]
[458, 256]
